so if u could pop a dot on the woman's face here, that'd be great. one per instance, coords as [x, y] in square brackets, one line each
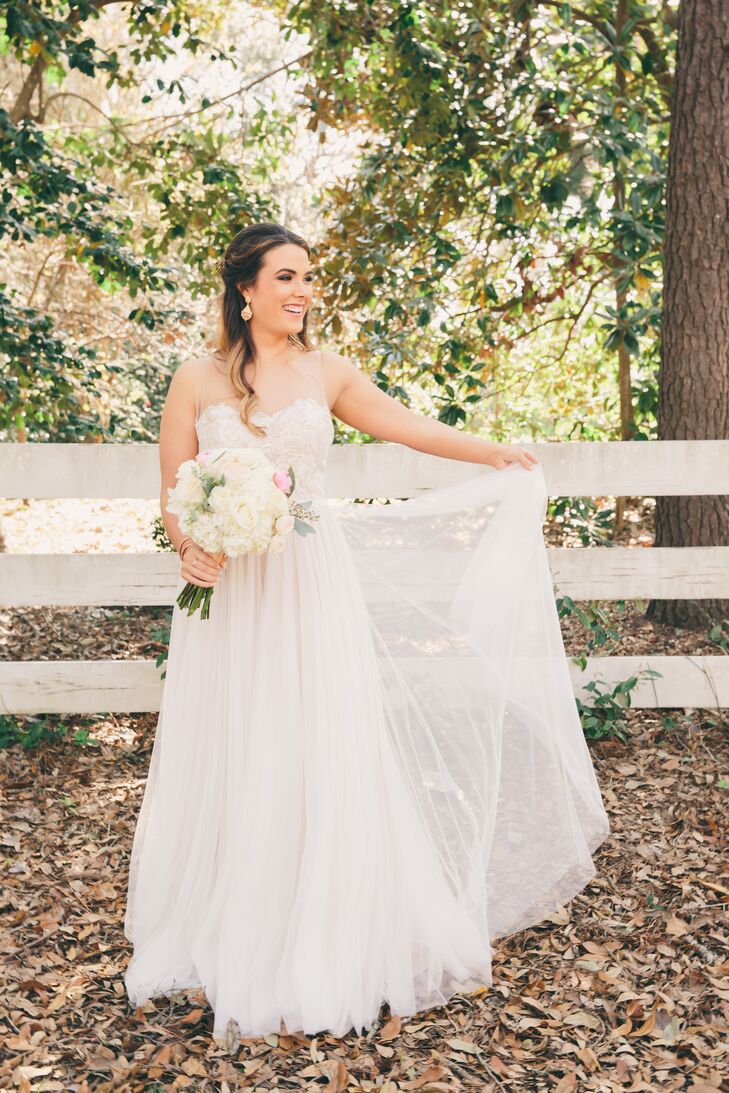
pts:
[283, 290]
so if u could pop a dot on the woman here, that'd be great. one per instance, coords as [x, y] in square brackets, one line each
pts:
[368, 761]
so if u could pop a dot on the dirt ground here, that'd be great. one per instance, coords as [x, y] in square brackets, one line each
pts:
[626, 988]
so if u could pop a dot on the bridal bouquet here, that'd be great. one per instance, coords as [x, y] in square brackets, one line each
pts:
[231, 501]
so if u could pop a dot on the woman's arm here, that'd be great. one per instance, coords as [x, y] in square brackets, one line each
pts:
[360, 403]
[178, 442]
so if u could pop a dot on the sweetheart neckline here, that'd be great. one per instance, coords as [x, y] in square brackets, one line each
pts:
[264, 413]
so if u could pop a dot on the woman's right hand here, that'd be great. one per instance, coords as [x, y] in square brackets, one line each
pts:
[200, 568]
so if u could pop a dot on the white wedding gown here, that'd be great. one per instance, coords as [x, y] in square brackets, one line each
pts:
[368, 761]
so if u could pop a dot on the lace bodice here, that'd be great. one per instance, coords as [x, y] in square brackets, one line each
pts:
[298, 435]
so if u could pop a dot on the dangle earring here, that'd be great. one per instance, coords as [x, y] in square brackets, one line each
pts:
[245, 312]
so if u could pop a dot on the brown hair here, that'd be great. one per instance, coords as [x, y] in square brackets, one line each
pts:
[239, 265]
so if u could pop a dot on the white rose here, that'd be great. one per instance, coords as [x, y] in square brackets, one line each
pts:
[244, 518]
[277, 544]
[241, 464]
[273, 502]
[223, 500]
[285, 523]
[188, 491]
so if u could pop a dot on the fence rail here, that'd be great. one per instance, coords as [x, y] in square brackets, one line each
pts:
[628, 468]
[381, 470]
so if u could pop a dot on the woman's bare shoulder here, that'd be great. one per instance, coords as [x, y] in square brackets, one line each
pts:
[192, 367]
[330, 355]
[336, 371]
[333, 363]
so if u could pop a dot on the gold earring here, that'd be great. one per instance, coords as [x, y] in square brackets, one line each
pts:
[245, 312]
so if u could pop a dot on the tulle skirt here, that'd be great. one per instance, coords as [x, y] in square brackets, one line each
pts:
[368, 765]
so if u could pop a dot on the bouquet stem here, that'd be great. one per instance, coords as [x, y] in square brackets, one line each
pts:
[193, 596]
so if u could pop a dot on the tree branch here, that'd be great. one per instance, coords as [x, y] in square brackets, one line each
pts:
[20, 110]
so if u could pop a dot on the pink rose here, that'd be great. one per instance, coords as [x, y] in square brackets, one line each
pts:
[202, 457]
[283, 480]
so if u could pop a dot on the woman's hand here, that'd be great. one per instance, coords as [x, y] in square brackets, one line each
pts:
[200, 568]
[504, 454]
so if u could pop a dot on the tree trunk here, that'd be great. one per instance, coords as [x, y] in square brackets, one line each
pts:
[693, 400]
[625, 386]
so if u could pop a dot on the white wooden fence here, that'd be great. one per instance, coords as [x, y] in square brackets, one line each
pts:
[629, 469]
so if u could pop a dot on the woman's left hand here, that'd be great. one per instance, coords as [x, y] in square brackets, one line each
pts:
[504, 454]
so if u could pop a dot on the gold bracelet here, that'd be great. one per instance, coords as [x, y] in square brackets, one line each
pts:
[181, 549]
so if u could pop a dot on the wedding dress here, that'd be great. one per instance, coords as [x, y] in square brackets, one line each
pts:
[368, 761]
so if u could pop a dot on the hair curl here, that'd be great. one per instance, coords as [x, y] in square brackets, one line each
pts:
[238, 269]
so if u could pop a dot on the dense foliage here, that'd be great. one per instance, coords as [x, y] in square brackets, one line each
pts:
[491, 251]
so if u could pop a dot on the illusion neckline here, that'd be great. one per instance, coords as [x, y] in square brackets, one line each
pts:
[265, 413]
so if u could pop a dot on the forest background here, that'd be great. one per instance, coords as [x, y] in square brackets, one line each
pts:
[482, 185]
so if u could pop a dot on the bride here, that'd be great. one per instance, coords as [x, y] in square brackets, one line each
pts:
[368, 762]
